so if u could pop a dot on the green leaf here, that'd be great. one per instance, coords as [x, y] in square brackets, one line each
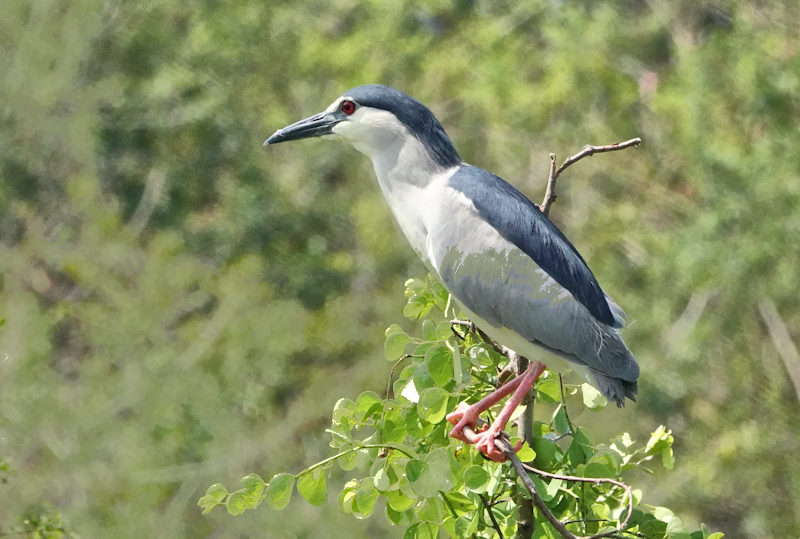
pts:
[253, 484]
[343, 410]
[422, 378]
[422, 530]
[467, 525]
[279, 490]
[439, 360]
[601, 510]
[526, 453]
[428, 510]
[347, 496]
[561, 421]
[238, 502]
[443, 331]
[428, 330]
[423, 482]
[214, 496]
[549, 389]
[393, 328]
[394, 424]
[368, 404]
[653, 528]
[381, 480]
[418, 305]
[311, 486]
[667, 458]
[595, 469]
[432, 405]
[439, 467]
[399, 517]
[476, 478]
[365, 499]
[248, 497]
[479, 356]
[592, 398]
[580, 450]
[398, 500]
[415, 285]
[395, 345]
[547, 453]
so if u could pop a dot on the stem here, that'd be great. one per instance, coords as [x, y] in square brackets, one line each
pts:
[358, 447]
[488, 507]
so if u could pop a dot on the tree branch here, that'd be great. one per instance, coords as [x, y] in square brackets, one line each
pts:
[504, 445]
[550, 193]
[782, 340]
[595, 481]
[488, 507]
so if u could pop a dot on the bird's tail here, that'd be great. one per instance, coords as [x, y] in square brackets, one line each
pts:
[615, 389]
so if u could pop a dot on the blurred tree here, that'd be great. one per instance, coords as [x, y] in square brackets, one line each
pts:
[168, 288]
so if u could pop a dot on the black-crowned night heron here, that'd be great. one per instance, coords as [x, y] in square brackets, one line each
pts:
[514, 273]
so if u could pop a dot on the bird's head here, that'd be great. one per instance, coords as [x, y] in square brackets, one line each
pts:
[372, 118]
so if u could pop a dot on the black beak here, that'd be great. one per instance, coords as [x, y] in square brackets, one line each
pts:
[315, 126]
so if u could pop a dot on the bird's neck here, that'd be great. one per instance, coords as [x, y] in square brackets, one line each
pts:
[407, 176]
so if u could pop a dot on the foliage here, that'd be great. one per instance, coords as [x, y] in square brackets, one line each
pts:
[179, 305]
[398, 448]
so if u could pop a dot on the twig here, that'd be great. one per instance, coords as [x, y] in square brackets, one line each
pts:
[550, 193]
[488, 507]
[475, 330]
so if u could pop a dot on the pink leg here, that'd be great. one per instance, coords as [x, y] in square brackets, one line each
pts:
[466, 415]
[484, 441]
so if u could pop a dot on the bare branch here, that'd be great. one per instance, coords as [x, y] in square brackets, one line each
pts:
[550, 193]
[782, 341]
[153, 187]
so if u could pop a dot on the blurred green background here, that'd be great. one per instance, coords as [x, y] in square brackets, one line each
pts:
[183, 307]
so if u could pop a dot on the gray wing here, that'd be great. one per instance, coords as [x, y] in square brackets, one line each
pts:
[519, 221]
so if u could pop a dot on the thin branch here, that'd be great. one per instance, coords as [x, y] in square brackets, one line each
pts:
[153, 187]
[357, 447]
[595, 481]
[504, 445]
[550, 193]
[488, 507]
[475, 330]
[526, 519]
[782, 340]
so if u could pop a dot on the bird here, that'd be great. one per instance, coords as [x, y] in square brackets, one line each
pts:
[512, 271]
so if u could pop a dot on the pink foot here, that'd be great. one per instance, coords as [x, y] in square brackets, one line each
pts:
[484, 442]
[463, 416]
[467, 416]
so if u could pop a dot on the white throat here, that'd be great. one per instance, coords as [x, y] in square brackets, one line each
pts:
[406, 171]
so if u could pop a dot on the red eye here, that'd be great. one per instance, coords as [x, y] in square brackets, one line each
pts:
[348, 107]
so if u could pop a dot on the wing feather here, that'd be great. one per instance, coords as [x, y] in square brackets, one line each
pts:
[519, 221]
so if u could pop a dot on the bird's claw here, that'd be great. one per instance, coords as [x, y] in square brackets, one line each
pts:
[462, 416]
[465, 416]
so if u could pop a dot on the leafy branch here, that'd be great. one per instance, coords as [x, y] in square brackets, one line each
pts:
[397, 448]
